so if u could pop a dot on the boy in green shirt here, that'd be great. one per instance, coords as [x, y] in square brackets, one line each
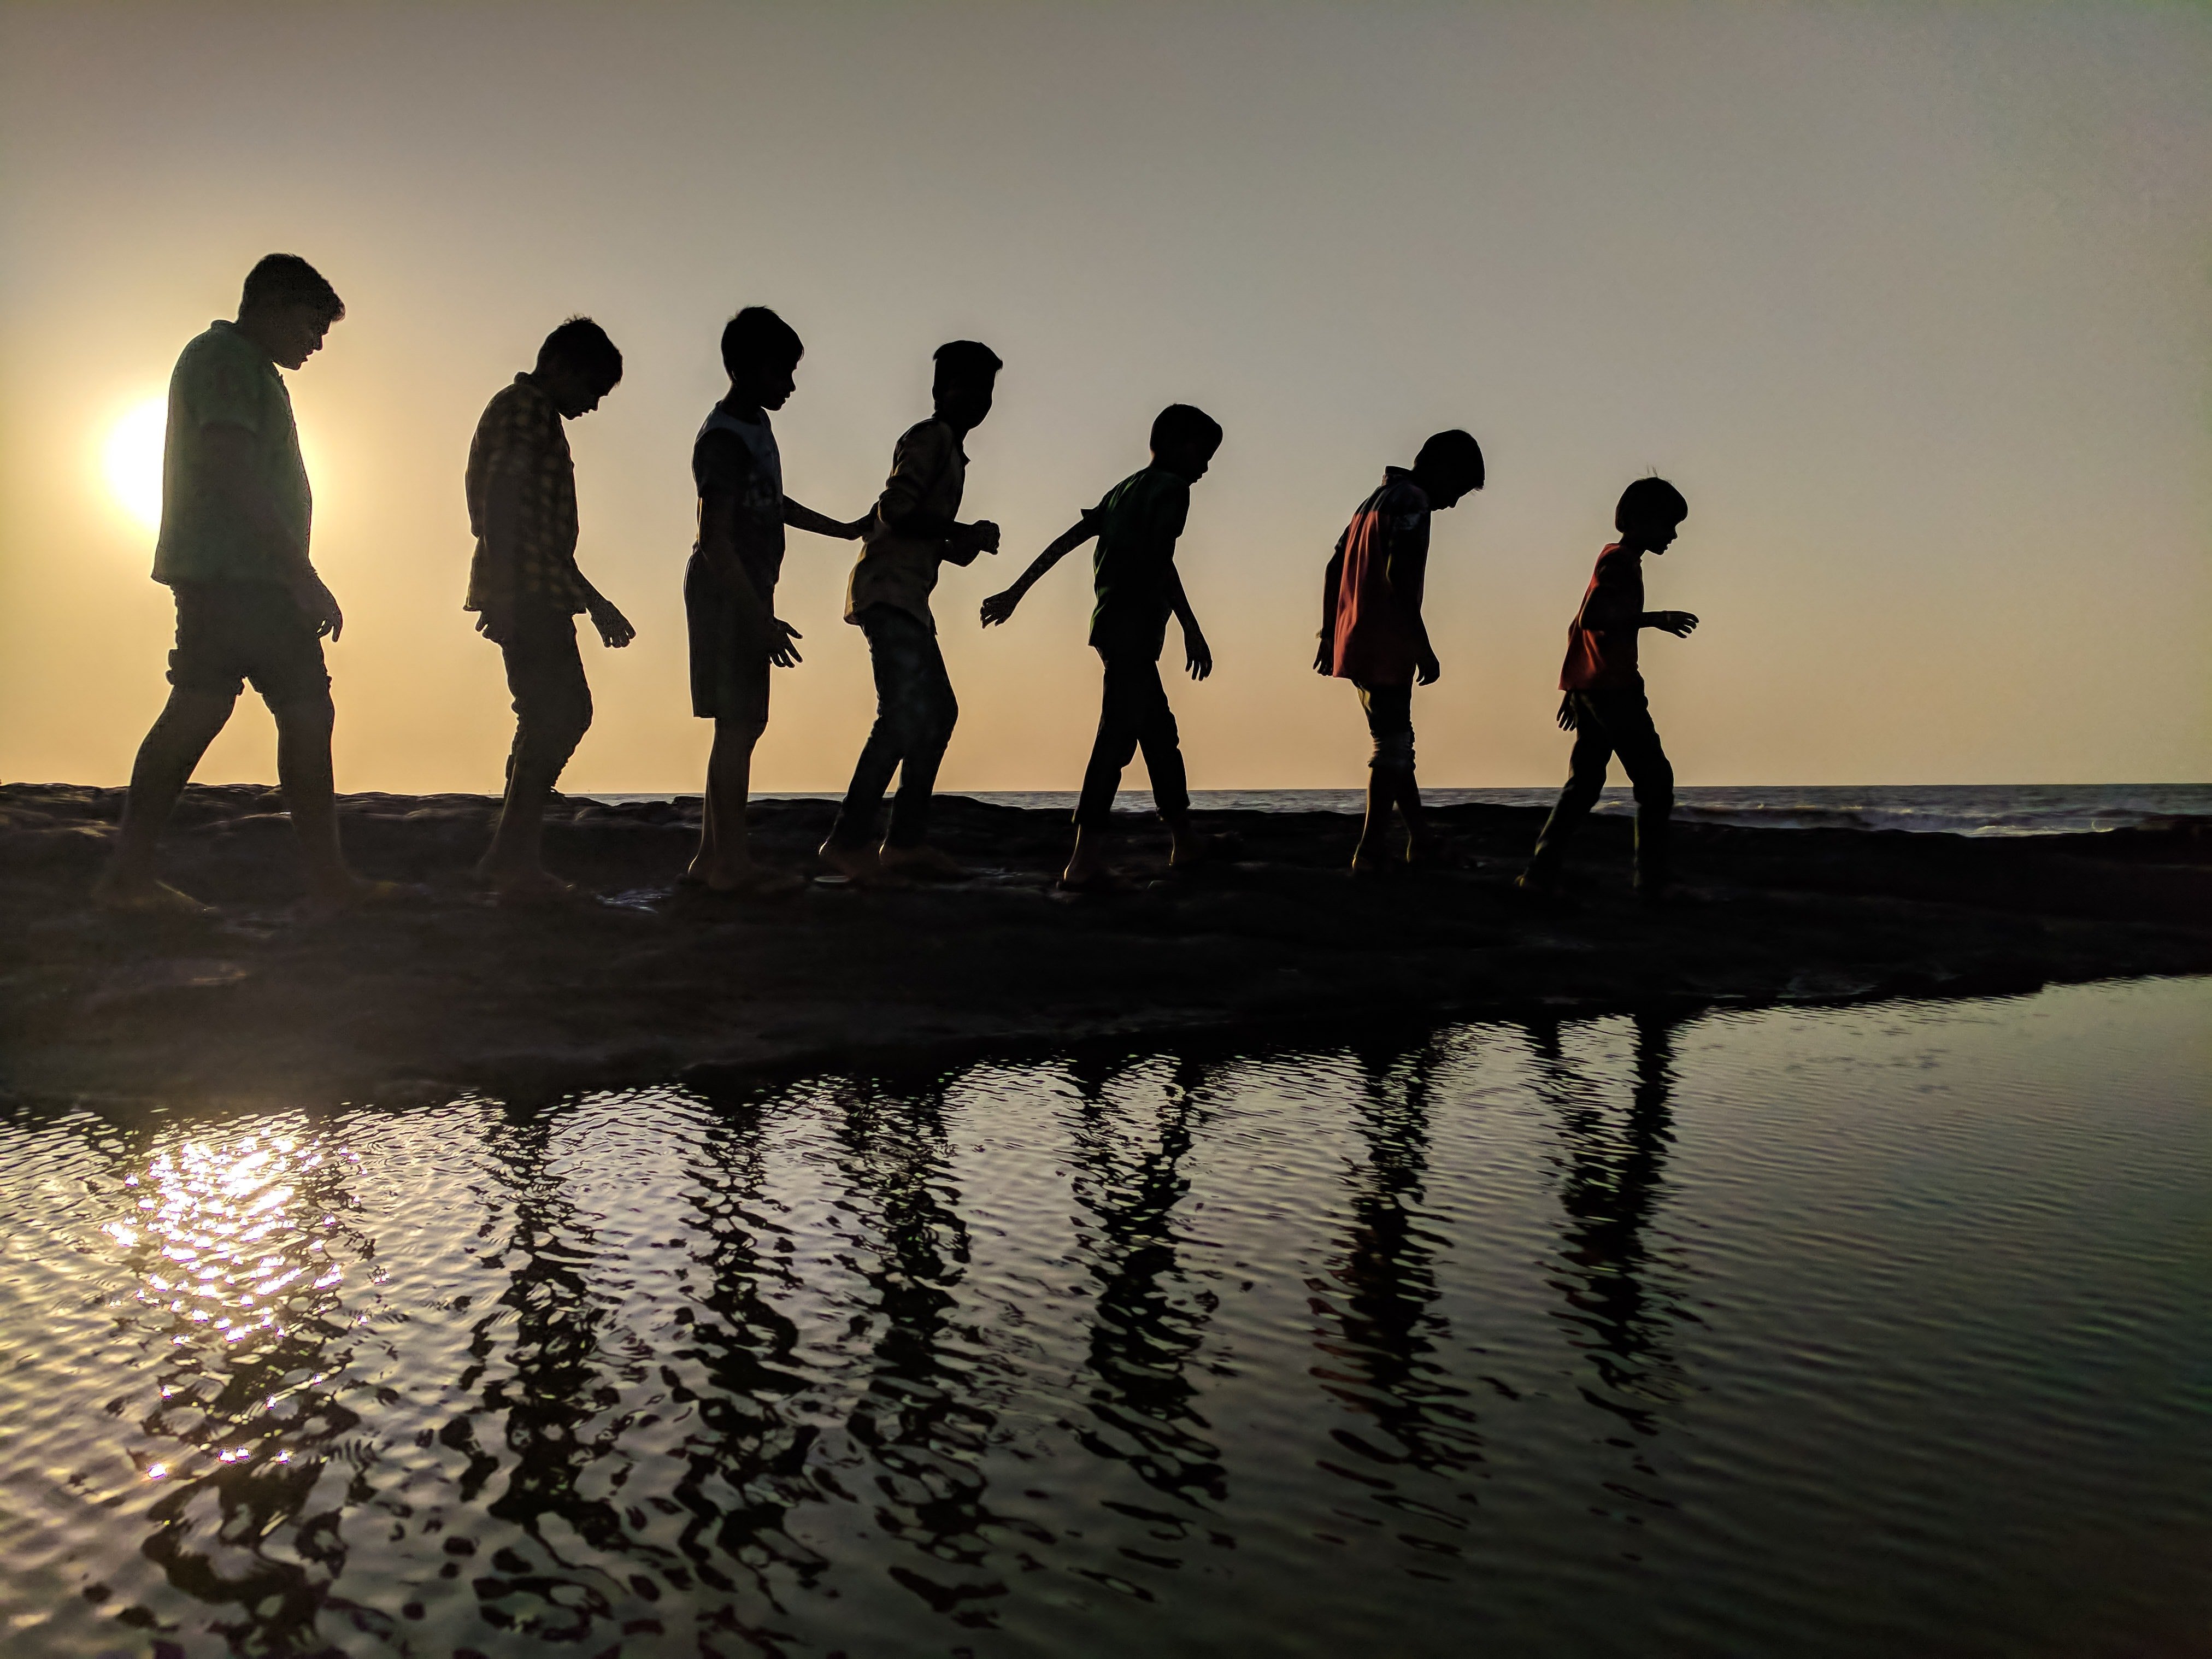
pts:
[1137, 525]
[233, 548]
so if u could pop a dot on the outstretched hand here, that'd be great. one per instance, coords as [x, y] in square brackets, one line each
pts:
[1567, 713]
[999, 606]
[780, 633]
[1679, 623]
[1198, 656]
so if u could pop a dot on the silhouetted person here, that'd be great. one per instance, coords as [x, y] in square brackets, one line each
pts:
[525, 588]
[912, 530]
[1604, 706]
[1134, 568]
[233, 548]
[1371, 631]
[729, 587]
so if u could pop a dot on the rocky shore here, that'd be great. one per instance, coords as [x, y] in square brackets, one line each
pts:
[649, 982]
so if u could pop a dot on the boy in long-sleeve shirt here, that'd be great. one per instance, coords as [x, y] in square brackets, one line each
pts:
[914, 530]
[1604, 705]
[1371, 629]
[1137, 525]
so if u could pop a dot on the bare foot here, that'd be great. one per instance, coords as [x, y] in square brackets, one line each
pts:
[1193, 848]
[332, 898]
[146, 898]
[527, 886]
[854, 863]
[920, 864]
[749, 880]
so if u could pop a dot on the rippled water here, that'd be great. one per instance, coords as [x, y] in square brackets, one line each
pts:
[1880, 1329]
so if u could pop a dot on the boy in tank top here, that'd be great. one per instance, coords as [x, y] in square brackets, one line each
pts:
[729, 587]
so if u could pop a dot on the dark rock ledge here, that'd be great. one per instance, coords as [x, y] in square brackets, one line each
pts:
[648, 984]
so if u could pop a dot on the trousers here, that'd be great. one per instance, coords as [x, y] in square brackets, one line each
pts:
[1610, 722]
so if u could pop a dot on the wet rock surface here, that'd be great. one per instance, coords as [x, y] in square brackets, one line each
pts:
[649, 982]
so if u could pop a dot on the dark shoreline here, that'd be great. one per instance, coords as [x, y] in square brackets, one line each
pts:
[426, 1000]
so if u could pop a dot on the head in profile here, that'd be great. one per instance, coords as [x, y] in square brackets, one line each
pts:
[761, 354]
[1650, 511]
[966, 378]
[287, 307]
[577, 365]
[1449, 466]
[1184, 440]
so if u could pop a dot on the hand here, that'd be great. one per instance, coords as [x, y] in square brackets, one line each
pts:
[1428, 671]
[780, 633]
[999, 606]
[858, 527]
[615, 631]
[1679, 623]
[1567, 713]
[319, 605]
[1324, 657]
[496, 621]
[983, 536]
[1198, 655]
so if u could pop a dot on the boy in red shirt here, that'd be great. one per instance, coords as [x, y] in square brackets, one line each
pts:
[1604, 706]
[1371, 631]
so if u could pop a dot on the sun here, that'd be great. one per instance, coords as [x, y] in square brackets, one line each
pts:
[133, 460]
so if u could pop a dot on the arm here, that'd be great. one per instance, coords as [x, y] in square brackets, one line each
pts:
[1406, 573]
[820, 523]
[229, 452]
[718, 545]
[615, 629]
[1325, 653]
[999, 606]
[1198, 657]
[1679, 623]
[916, 467]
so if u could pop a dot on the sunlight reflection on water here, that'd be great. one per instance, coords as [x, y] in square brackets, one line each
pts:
[1825, 1331]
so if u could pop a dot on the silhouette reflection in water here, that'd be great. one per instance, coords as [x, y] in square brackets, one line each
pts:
[1383, 1343]
[1147, 1321]
[1619, 1286]
[240, 1245]
[923, 1419]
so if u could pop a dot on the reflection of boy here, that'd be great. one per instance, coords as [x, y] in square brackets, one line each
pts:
[1371, 630]
[914, 530]
[729, 587]
[1604, 706]
[1137, 525]
[233, 549]
[525, 588]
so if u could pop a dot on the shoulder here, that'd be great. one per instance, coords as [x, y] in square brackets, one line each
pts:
[1616, 565]
[220, 350]
[931, 437]
[722, 453]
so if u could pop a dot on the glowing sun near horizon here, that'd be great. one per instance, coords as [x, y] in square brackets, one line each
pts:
[131, 460]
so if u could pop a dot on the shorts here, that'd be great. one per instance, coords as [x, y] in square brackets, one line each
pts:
[1389, 711]
[228, 632]
[729, 671]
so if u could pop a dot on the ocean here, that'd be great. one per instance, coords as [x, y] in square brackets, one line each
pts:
[1966, 809]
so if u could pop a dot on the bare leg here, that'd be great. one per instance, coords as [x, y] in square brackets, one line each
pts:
[187, 724]
[1409, 808]
[1382, 793]
[1088, 861]
[724, 862]
[515, 862]
[303, 769]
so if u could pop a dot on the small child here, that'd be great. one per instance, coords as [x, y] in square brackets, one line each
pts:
[729, 587]
[526, 589]
[1136, 524]
[1371, 631]
[1604, 706]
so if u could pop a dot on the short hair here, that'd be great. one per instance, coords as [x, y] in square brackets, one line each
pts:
[1650, 501]
[1453, 454]
[1184, 423]
[966, 360]
[283, 279]
[758, 338]
[584, 346]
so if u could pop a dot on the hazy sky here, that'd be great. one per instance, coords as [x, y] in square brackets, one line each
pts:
[1911, 302]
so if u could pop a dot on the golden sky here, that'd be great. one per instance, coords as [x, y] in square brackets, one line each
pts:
[1911, 301]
